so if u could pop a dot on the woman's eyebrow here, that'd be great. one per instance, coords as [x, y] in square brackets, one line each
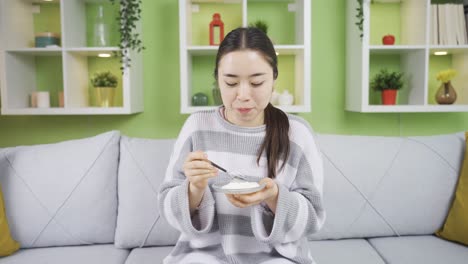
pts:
[236, 76]
[230, 75]
[257, 74]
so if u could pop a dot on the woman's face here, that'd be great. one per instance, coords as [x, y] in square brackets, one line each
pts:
[246, 82]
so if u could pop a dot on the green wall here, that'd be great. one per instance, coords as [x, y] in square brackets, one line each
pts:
[161, 117]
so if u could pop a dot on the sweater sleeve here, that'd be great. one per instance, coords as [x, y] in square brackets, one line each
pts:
[173, 200]
[300, 210]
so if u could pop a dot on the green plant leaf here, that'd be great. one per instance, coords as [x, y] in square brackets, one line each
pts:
[387, 80]
[129, 15]
[104, 79]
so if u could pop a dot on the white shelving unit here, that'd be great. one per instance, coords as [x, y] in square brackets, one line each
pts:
[412, 54]
[19, 62]
[197, 58]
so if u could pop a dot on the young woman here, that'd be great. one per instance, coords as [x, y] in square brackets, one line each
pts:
[248, 135]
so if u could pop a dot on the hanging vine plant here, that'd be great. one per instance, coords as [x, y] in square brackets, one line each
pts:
[129, 15]
[360, 17]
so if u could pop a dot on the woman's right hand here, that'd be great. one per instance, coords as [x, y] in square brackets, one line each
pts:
[198, 170]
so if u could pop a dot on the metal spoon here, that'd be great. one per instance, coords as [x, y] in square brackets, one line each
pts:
[233, 175]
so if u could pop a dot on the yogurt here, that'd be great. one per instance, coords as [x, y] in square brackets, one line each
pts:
[236, 185]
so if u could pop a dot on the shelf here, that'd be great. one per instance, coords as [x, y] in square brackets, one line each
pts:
[67, 69]
[405, 19]
[289, 49]
[288, 109]
[415, 108]
[212, 50]
[43, 2]
[92, 51]
[202, 50]
[285, 19]
[216, 1]
[412, 54]
[68, 111]
[272, 1]
[37, 51]
[452, 49]
[289, 28]
[456, 59]
[394, 49]
[197, 15]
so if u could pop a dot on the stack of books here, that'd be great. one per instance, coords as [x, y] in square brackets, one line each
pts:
[448, 24]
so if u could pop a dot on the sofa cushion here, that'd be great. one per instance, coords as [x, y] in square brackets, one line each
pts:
[323, 252]
[142, 168]
[456, 225]
[94, 254]
[385, 186]
[420, 249]
[344, 251]
[148, 255]
[62, 194]
[7, 244]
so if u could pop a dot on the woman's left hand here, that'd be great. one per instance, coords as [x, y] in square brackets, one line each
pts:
[269, 195]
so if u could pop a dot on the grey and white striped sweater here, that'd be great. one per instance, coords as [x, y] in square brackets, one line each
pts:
[219, 232]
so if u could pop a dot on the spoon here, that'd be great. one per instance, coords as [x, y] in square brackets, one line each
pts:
[233, 175]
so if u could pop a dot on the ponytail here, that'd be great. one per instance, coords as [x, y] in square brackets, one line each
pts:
[276, 142]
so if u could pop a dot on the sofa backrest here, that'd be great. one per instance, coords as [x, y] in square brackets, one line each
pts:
[142, 169]
[387, 186]
[67, 193]
[62, 194]
[373, 186]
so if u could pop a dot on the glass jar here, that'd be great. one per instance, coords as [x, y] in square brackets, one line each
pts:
[101, 34]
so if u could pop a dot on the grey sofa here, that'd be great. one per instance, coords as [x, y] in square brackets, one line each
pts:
[94, 200]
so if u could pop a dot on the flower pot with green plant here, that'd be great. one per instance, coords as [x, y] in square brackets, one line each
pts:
[104, 84]
[388, 83]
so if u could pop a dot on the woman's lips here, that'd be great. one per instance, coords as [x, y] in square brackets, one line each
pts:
[244, 110]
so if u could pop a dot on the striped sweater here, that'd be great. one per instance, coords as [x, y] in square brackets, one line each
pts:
[219, 232]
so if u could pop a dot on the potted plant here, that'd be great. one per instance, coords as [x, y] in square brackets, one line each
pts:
[446, 93]
[360, 16]
[129, 15]
[104, 84]
[260, 24]
[388, 83]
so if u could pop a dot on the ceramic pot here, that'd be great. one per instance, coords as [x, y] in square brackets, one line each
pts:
[44, 39]
[199, 99]
[446, 94]
[104, 96]
[389, 96]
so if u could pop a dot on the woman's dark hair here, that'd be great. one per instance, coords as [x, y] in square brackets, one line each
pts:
[276, 142]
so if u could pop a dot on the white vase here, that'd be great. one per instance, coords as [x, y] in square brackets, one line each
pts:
[285, 98]
[101, 29]
[43, 99]
[274, 98]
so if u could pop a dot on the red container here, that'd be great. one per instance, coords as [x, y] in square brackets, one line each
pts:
[388, 40]
[389, 96]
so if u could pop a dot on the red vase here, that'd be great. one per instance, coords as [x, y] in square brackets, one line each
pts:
[389, 96]
[216, 39]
